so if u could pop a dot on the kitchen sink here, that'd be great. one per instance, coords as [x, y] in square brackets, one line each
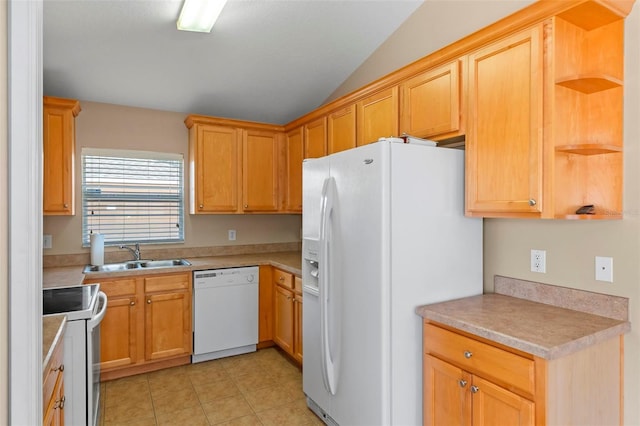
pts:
[135, 264]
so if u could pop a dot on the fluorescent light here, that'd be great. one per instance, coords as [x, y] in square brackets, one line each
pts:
[199, 15]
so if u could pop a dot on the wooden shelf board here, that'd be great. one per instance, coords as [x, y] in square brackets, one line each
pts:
[590, 15]
[590, 83]
[589, 149]
[589, 216]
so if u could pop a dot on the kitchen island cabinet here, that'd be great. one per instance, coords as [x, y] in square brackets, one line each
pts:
[496, 359]
[58, 127]
[148, 324]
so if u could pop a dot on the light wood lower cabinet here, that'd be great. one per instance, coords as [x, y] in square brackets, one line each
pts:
[148, 324]
[287, 313]
[468, 380]
[53, 397]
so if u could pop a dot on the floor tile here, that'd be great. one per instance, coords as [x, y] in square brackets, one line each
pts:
[260, 388]
[191, 416]
[225, 409]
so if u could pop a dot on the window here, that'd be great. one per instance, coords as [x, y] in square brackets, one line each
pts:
[132, 196]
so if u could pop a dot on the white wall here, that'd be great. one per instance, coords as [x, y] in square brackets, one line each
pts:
[113, 126]
[571, 246]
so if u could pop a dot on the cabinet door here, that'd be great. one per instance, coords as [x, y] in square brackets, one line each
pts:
[447, 400]
[432, 102]
[377, 116]
[297, 327]
[167, 325]
[504, 141]
[260, 171]
[493, 405]
[341, 130]
[214, 153]
[119, 327]
[315, 138]
[294, 155]
[283, 319]
[58, 153]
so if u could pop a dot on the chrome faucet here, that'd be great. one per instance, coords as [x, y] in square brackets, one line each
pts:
[136, 252]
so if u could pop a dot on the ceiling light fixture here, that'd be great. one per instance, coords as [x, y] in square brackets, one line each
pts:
[199, 15]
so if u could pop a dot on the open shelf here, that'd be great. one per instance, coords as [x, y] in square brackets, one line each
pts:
[589, 216]
[590, 83]
[589, 149]
[590, 15]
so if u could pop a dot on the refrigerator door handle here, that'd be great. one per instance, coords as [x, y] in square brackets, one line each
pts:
[329, 366]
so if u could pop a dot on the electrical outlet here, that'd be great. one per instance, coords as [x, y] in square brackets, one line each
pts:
[232, 234]
[604, 269]
[539, 261]
[47, 241]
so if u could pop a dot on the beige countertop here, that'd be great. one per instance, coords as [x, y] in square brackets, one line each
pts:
[540, 329]
[53, 327]
[72, 275]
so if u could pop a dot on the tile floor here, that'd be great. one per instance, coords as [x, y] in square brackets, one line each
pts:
[260, 388]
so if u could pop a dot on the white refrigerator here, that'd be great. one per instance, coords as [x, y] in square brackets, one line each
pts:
[384, 231]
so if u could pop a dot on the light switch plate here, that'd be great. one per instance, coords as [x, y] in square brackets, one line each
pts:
[47, 241]
[604, 269]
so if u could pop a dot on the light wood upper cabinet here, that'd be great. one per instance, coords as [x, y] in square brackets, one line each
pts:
[235, 166]
[58, 127]
[259, 171]
[432, 102]
[315, 138]
[377, 116]
[585, 93]
[341, 126]
[294, 154]
[214, 166]
[504, 140]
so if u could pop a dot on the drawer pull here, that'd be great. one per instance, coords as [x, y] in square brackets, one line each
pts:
[474, 389]
[462, 383]
[61, 368]
[468, 354]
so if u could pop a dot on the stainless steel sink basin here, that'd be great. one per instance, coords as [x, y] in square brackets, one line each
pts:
[135, 264]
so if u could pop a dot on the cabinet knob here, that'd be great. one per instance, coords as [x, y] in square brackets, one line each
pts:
[468, 354]
[474, 389]
[462, 383]
[532, 202]
[246, 206]
[148, 301]
[133, 302]
[281, 279]
[66, 206]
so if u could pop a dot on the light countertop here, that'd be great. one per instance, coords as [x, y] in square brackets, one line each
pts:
[540, 329]
[53, 327]
[72, 275]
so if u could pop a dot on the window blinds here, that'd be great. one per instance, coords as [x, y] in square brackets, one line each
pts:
[132, 196]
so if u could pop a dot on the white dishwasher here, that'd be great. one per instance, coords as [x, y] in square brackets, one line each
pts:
[225, 312]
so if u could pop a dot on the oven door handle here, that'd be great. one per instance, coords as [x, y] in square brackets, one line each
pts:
[95, 320]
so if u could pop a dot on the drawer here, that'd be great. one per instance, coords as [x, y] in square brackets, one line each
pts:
[167, 283]
[297, 285]
[124, 287]
[504, 367]
[56, 367]
[282, 278]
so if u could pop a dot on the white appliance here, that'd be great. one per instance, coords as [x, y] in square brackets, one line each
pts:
[225, 312]
[384, 231]
[85, 307]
